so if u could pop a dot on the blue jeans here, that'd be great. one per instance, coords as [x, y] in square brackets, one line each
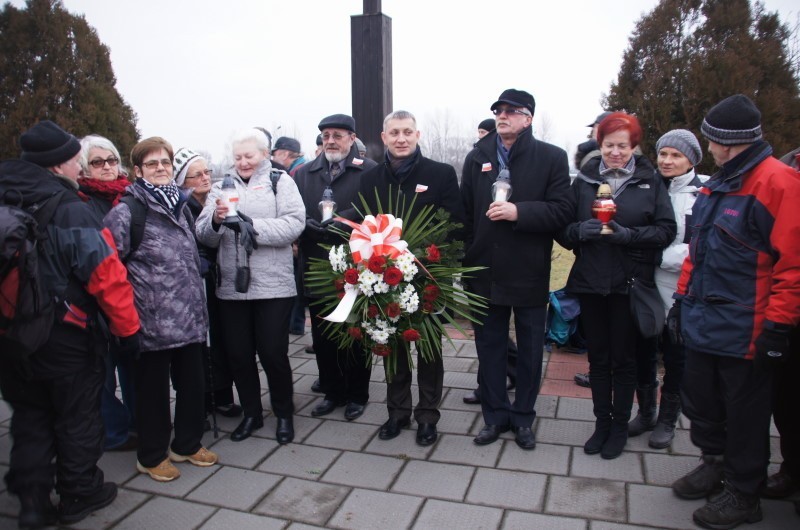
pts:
[118, 416]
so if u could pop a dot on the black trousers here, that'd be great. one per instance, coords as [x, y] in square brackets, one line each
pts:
[673, 355]
[153, 370]
[786, 408]
[430, 380]
[57, 418]
[260, 326]
[491, 342]
[219, 380]
[343, 374]
[728, 402]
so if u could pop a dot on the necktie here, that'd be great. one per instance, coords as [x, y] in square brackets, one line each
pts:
[335, 170]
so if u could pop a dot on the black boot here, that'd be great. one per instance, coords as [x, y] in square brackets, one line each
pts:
[702, 480]
[618, 437]
[36, 510]
[645, 419]
[729, 509]
[601, 398]
[73, 508]
[668, 413]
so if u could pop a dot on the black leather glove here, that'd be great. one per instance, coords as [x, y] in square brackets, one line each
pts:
[674, 324]
[315, 226]
[589, 229]
[620, 236]
[772, 349]
[130, 346]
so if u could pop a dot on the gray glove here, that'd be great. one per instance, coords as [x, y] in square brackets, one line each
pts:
[621, 235]
[589, 229]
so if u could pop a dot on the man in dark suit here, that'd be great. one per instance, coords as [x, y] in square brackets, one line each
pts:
[513, 239]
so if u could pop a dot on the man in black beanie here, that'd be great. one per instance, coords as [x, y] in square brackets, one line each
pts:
[737, 300]
[56, 427]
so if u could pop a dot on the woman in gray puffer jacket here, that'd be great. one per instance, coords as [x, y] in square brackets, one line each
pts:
[257, 320]
[164, 271]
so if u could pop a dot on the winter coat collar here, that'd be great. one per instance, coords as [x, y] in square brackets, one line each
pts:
[729, 178]
[353, 160]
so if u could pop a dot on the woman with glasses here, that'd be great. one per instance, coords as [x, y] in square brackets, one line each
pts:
[164, 270]
[644, 224]
[104, 182]
[193, 176]
[256, 287]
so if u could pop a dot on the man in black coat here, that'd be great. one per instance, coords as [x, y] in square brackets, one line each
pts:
[343, 375]
[514, 241]
[407, 172]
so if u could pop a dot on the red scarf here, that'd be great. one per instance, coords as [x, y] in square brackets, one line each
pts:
[110, 190]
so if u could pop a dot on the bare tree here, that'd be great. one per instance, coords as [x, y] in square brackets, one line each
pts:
[544, 126]
[445, 141]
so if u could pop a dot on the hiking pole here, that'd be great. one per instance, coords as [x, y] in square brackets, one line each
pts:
[210, 367]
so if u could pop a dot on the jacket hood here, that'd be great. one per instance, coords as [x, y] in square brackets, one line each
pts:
[33, 182]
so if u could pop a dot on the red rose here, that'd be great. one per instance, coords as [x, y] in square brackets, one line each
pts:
[372, 311]
[339, 284]
[393, 310]
[376, 264]
[381, 350]
[351, 276]
[355, 333]
[431, 292]
[392, 276]
[340, 295]
[411, 335]
[433, 253]
[427, 307]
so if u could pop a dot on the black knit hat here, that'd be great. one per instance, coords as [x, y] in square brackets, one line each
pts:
[487, 125]
[338, 121]
[48, 145]
[733, 121]
[515, 98]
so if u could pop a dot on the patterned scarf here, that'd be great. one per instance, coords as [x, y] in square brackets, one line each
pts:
[108, 190]
[168, 195]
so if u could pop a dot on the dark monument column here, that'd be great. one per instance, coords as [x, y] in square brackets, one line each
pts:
[371, 60]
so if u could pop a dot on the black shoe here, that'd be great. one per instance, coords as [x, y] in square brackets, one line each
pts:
[602, 428]
[284, 434]
[316, 386]
[326, 407]
[524, 438]
[582, 380]
[617, 438]
[490, 434]
[353, 411]
[472, 398]
[391, 429]
[779, 486]
[426, 434]
[647, 417]
[729, 509]
[246, 428]
[702, 481]
[231, 410]
[72, 509]
[36, 510]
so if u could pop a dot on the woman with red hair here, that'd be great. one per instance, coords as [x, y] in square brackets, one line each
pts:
[644, 224]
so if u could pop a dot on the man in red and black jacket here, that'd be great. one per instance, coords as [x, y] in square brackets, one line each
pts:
[738, 298]
[55, 392]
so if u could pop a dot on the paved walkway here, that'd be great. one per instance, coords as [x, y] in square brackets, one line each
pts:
[338, 474]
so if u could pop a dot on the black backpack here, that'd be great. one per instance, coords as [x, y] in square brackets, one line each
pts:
[26, 311]
[139, 218]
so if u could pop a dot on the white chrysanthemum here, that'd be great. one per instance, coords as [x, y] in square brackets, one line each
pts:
[380, 287]
[380, 332]
[405, 262]
[337, 258]
[409, 299]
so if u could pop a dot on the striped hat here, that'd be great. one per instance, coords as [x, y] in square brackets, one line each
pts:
[733, 121]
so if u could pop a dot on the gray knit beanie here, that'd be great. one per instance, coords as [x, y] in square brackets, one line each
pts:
[685, 142]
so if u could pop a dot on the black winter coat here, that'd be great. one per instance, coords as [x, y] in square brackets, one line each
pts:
[643, 205]
[517, 254]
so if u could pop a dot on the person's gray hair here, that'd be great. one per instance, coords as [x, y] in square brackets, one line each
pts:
[94, 141]
[251, 134]
[399, 115]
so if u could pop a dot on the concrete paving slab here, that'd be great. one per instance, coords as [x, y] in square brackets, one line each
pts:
[126, 502]
[453, 400]
[374, 414]
[118, 467]
[778, 515]
[441, 514]
[546, 458]
[546, 406]
[404, 446]
[565, 432]
[682, 444]
[604, 525]
[587, 498]
[516, 520]
[375, 509]
[342, 435]
[457, 449]
[228, 519]
[3, 471]
[663, 470]
[5, 447]
[459, 380]
[5, 411]
[468, 350]
[303, 426]
[627, 467]
[164, 513]
[431, 479]
[301, 461]
[303, 500]
[377, 391]
[363, 470]
[570, 408]
[245, 454]
[658, 506]
[457, 421]
[191, 477]
[460, 364]
[507, 489]
[238, 489]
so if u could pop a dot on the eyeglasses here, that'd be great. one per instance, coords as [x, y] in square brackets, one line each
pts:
[153, 164]
[508, 110]
[97, 163]
[335, 136]
[204, 173]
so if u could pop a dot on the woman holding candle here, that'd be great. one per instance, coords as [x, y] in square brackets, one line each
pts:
[642, 226]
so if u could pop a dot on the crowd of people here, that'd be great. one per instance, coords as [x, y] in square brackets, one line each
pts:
[165, 279]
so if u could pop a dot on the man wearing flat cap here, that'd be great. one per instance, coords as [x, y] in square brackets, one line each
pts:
[287, 152]
[513, 240]
[343, 374]
[738, 298]
[55, 391]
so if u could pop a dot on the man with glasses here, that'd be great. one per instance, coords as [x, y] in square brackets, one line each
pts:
[513, 239]
[343, 374]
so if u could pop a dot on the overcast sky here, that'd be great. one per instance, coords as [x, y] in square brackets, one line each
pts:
[195, 71]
